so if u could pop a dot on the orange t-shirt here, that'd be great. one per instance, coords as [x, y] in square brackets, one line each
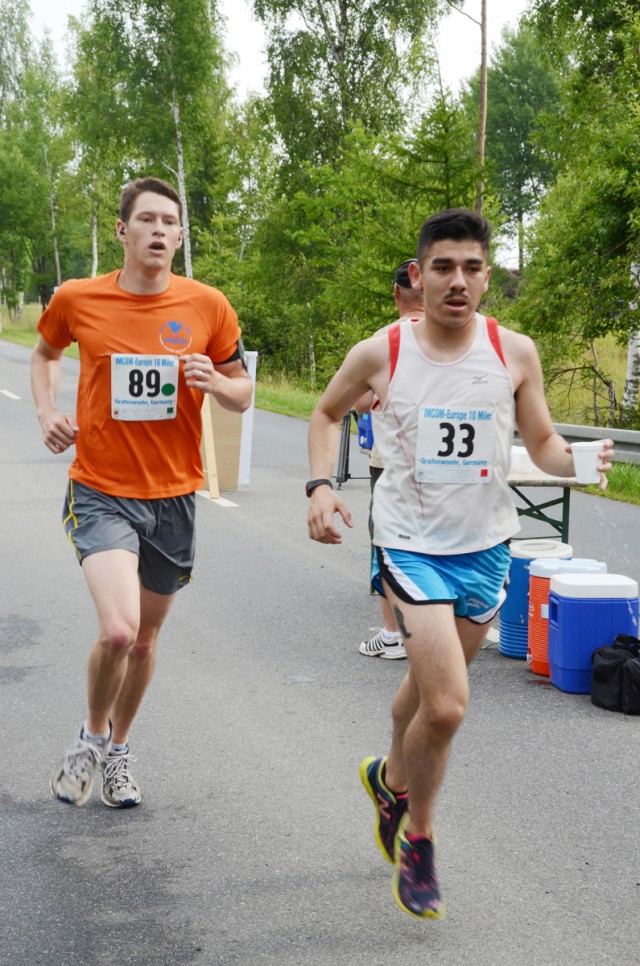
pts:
[140, 458]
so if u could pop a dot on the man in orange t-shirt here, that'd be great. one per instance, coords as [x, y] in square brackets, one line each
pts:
[151, 344]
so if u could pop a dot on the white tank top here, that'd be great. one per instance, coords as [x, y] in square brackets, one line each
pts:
[444, 434]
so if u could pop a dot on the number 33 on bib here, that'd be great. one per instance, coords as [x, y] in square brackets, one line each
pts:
[144, 387]
[454, 444]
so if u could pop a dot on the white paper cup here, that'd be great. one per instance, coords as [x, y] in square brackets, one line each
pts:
[586, 460]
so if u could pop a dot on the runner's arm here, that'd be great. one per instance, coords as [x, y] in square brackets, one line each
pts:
[349, 384]
[59, 430]
[229, 382]
[545, 446]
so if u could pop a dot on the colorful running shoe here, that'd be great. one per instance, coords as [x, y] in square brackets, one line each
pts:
[72, 779]
[119, 789]
[415, 886]
[389, 807]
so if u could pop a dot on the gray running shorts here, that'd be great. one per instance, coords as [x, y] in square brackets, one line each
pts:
[160, 532]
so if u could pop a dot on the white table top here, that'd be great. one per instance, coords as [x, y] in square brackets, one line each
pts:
[536, 477]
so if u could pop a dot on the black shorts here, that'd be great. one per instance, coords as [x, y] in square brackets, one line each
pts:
[160, 532]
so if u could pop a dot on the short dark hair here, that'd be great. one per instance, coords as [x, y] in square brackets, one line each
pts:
[401, 277]
[135, 188]
[459, 224]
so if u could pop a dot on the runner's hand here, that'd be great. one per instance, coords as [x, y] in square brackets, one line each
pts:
[59, 431]
[324, 503]
[606, 456]
[199, 372]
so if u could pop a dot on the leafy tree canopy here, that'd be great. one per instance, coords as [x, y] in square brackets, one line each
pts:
[337, 62]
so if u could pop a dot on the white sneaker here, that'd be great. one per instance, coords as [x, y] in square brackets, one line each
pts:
[119, 789]
[72, 779]
[380, 646]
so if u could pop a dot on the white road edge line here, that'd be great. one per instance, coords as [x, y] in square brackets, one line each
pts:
[11, 395]
[221, 501]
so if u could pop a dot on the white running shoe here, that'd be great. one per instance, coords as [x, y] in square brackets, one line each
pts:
[380, 646]
[119, 789]
[72, 779]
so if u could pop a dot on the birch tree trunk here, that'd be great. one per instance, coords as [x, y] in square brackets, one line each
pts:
[520, 241]
[182, 189]
[482, 124]
[632, 380]
[631, 390]
[52, 211]
[94, 239]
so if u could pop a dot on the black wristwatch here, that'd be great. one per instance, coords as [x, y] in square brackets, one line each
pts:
[311, 485]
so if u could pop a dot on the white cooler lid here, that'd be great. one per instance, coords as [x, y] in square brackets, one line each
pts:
[548, 566]
[533, 548]
[593, 585]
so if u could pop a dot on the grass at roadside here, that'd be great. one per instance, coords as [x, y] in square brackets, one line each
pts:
[624, 484]
[19, 334]
[23, 331]
[279, 395]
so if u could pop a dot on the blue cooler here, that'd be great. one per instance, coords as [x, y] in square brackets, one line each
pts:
[586, 611]
[540, 574]
[365, 431]
[514, 613]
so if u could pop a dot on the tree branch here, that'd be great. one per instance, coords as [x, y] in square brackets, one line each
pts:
[169, 169]
[463, 12]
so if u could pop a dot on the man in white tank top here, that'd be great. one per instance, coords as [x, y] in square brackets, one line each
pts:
[450, 388]
[387, 642]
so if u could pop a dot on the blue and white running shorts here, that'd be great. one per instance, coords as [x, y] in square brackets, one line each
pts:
[473, 582]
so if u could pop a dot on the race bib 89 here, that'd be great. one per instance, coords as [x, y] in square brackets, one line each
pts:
[144, 387]
[454, 444]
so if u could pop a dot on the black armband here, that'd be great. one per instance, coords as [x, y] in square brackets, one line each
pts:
[237, 356]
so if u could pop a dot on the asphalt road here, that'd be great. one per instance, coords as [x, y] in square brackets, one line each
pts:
[254, 842]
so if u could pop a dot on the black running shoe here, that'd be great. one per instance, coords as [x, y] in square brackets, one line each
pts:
[389, 807]
[415, 886]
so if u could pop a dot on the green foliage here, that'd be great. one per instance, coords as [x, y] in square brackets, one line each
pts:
[317, 271]
[334, 65]
[523, 92]
[303, 202]
[96, 111]
[15, 53]
[33, 157]
[578, 284]
[148, 97]
[591, 30]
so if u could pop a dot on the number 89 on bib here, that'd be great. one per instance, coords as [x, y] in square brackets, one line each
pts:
[144, 387]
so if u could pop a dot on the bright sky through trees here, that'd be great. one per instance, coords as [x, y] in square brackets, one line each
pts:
[459, 44]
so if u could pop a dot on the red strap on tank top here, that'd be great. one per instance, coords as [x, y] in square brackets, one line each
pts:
[394, 344]
[394, 349]
[494, 338]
